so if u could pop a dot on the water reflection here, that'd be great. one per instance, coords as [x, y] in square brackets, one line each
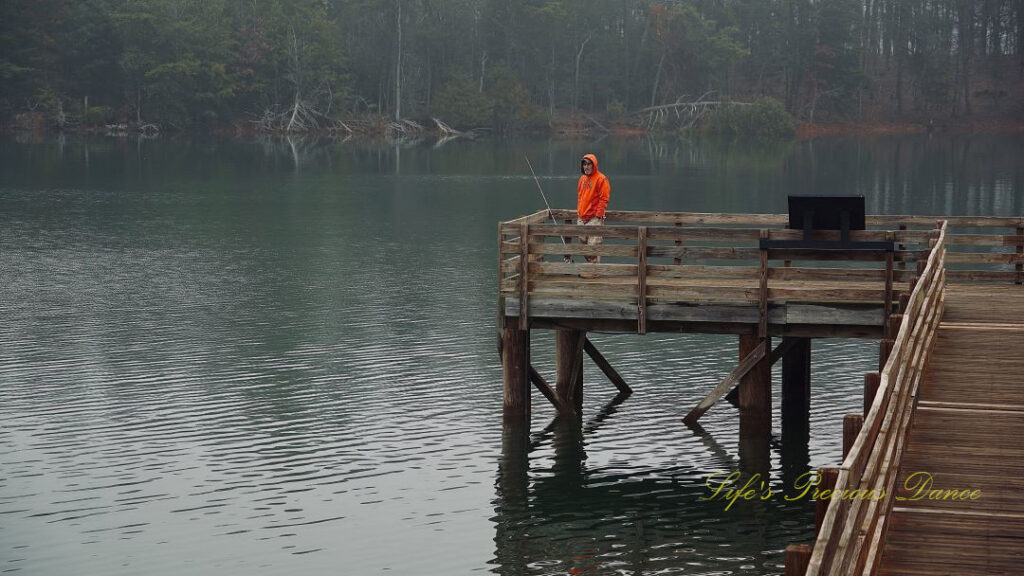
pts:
[919, 174]
[562, 517]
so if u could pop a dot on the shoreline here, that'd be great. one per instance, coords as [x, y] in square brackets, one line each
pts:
[803, 131]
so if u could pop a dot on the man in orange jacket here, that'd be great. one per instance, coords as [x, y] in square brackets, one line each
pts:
[592, 193]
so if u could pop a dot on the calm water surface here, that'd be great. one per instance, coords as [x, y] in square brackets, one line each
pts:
[238, 357]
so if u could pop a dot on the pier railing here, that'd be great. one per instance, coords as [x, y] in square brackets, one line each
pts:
[687, 267]
[851, 533]
[987, 249]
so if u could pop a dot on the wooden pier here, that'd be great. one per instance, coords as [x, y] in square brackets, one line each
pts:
[700, 273]
[946, 302]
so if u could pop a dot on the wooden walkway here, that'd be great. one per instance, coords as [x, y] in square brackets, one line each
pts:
[967, 433]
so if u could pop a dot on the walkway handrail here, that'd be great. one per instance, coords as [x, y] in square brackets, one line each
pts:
[854, 526]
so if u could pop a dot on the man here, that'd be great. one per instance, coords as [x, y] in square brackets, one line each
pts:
[592, 193]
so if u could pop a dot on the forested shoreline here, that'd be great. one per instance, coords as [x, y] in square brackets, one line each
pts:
[498, 66]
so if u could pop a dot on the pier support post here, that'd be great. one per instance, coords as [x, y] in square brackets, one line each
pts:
[796, 410]
[515, 372]
[827, 477]
[569, 368]
[872, 380]
[796, 389]
[755, 392]
[755, 410]
[798, 558]
[852, 424]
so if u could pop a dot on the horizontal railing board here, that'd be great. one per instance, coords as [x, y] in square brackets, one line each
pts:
[826, 294]
[607, 270]
[835, 314]
[703, 253]
[984, 258]
[839, 255]
[697, 271]
[954, 221]
[748, 236]
[549, 307]
[572, 249]
[703, 293]
[603, 291]
[607, 231]
[698, 218]
[687, 272]
[892, 221]
[1010, 240]
[988, 275]
[585, 250]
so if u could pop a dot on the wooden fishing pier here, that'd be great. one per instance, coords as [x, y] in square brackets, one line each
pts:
[943, 295]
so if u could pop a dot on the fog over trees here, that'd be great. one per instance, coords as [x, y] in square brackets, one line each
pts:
[346, 65]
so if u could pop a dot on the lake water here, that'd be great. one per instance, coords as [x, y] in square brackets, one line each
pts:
[271, 357]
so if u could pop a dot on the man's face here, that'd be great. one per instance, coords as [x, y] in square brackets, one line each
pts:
[588, 167]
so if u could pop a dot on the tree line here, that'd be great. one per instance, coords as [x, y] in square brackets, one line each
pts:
[302, 65]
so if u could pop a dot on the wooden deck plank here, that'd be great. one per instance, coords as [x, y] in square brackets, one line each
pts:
[967, 432]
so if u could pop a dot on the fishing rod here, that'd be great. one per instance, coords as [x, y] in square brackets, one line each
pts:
[551, 215]
[537, 181]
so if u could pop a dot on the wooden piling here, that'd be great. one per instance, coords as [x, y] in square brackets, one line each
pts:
[641, 306]
[827, 476]
[798, 558]
[872, 380]
[884, 349]
[569, 368]
[755, 390]
[852, 423]
[904, 300]
[1020, 254]
[515, 371]
[889, 277]
[796, 385]
[892, 326]
[524, 280]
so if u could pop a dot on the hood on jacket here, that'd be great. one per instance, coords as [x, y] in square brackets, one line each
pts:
[593, 160]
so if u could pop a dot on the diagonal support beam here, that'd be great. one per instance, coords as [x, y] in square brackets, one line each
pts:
[784, 347]
[542, 385]
[733, 397]
[738, 372]
[606, 367]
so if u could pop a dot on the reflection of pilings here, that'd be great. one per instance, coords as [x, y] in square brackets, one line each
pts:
[755, 452]
[716, 449]
[568, 446]
[514, 465]
[570, 517]
[511, 505]
[795, 460]
[607, 412]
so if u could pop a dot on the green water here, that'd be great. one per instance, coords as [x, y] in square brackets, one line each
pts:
[270, 357]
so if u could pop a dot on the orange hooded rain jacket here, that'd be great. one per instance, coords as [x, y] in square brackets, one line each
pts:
[592, 192]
